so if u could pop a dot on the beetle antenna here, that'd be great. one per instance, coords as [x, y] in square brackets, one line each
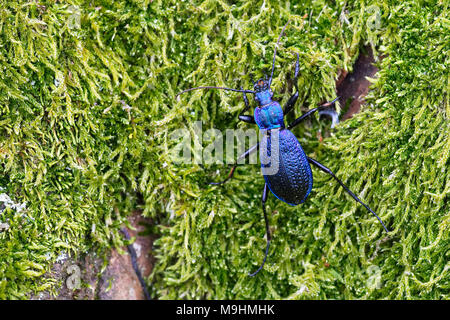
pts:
[275, 52]
[213, 87]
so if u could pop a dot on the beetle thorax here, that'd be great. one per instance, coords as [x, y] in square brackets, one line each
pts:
[269, 116]
[263, 97]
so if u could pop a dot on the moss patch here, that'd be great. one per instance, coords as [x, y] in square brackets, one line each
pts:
[87, 105]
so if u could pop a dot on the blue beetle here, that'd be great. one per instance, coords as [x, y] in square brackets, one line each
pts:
[291, 181]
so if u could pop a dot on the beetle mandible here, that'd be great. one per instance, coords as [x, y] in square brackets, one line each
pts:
[292, 180]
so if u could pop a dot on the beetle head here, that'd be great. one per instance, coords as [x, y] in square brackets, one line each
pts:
[263, 93]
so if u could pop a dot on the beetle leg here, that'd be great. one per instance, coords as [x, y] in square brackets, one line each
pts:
[245, 155]
[244, 117]
[263, 202]
[247, 118]
[326, 170]
[310, 112]
[289, 106]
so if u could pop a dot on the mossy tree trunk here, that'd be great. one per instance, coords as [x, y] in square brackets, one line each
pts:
[87, 105]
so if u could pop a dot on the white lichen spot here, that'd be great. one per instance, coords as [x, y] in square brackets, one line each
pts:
[132, 293]
[302, 289]
[138, 249]
[59, 78]
[125, 106]
[8, 203]
[61, 258]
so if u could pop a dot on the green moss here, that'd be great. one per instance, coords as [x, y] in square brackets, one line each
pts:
[85, 116]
